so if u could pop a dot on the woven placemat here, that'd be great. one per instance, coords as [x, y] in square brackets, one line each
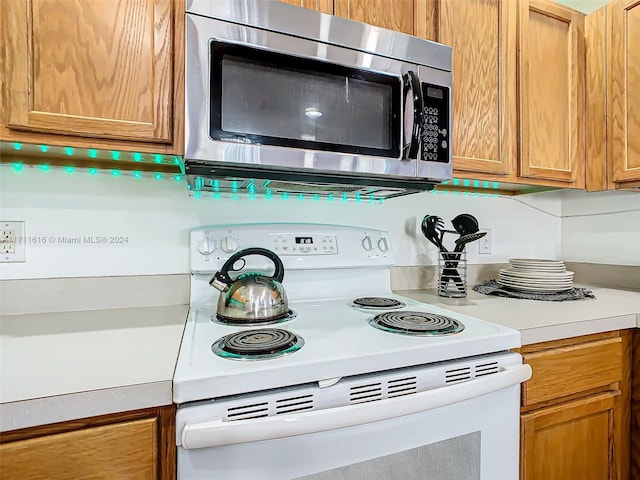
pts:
[492, 287]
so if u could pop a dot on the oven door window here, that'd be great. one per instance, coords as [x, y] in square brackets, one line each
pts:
[263, 97]
[454, 459]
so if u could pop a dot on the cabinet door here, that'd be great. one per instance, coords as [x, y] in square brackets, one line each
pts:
[572, 440]
[92, 69]
[624, 85]
[408, 16]
[482, 34]
[122, 450]
[552, 99]
[324, 6]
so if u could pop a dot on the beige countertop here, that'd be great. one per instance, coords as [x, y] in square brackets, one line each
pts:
[62, 366]
[539, 321]
[66, 365]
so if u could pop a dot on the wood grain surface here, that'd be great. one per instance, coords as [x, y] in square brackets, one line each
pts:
[122, 450]
[572, 440]
[99, 69]
[552, 99]
[482, 34]
[571, 369]
[622, 419]
[585, 434]
[624, 85]
[399, 15]
[596, 100]
[634, 453]
[324, 6]
[134, 444]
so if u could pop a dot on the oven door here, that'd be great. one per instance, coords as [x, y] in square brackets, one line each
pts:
[464, 431]
[267, 99]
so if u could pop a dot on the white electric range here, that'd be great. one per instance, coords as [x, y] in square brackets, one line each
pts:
[353, 358]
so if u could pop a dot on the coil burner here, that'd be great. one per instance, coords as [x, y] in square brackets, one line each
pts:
[416, 323]
[377, 303]
[258, 344]
[290, 315]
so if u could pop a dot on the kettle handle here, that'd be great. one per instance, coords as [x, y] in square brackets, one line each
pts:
[223, 275]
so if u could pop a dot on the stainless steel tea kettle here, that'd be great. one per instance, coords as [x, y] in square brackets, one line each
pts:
[252, 297]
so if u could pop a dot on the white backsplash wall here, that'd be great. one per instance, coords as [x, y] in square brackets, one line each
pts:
[154, 217]
[592, 231]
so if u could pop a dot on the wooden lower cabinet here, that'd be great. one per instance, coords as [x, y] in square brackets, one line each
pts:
[576, 409]
[131, 445]
[571, 440]
[635, 408]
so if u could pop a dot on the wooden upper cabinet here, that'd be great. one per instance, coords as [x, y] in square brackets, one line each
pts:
[408, 16]
[595, 32]
[624, 88]
[324, 6]
[90, 69]
[482, 34]
[552, 92]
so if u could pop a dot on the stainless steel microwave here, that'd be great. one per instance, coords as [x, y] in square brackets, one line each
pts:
[281, 98]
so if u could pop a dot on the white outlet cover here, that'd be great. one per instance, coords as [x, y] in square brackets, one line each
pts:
[13, 233]
[484, 244]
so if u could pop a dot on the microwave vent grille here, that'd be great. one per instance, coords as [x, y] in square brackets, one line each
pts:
[251, 186]
[291, 187]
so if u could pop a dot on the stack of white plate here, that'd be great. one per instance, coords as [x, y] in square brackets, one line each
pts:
[536, 275]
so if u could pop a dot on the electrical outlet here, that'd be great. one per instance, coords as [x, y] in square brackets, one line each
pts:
[13, 243]
[484, 244]
[7, 248]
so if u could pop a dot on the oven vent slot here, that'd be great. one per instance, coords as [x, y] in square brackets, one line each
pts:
[294, 404]
[457, 374]
[365, 393]
[251, 410]
[401, 386]
[486, 369]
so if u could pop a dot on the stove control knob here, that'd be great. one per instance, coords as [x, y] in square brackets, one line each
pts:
[383, 245]
[367, 244]
[206, 246]
[229, 244]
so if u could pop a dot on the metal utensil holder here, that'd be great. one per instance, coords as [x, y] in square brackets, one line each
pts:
[452, 274]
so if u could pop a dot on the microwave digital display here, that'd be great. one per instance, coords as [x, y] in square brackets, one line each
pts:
[434, 93]
[304, 240]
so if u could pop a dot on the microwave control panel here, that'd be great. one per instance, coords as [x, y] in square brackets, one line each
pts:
[435, 124]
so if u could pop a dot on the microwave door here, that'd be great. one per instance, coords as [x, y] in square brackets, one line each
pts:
[413, 111]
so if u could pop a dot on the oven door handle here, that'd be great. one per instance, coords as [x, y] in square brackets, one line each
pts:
[217, 432]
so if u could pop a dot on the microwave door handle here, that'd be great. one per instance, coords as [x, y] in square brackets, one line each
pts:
[411, 85]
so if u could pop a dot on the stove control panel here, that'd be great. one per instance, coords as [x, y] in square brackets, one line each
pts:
[304, 244]
[300, 246]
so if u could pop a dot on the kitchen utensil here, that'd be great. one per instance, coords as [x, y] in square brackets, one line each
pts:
[252, 297]
[468, 238]
[433, 229]
[465, 223]
[467, 226]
